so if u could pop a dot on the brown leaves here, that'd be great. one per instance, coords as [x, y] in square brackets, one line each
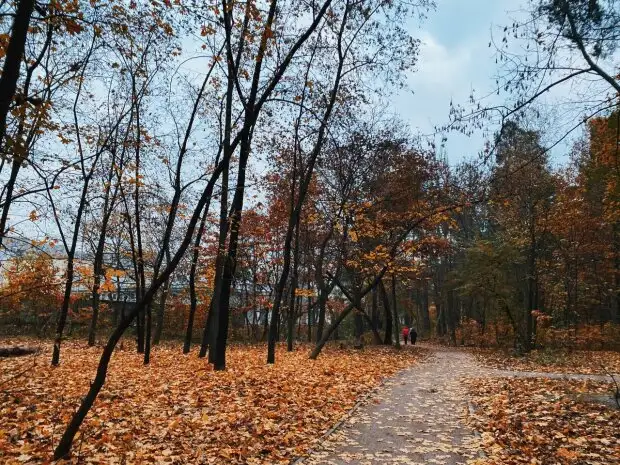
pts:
[177, 410]
[586, 362]
[537, 421]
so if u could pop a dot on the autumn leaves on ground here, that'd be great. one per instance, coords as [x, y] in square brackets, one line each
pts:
[178, 410]
[545, 421]
[540, 420]
[179, 173]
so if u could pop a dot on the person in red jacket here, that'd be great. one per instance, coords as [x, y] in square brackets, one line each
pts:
[405, 334]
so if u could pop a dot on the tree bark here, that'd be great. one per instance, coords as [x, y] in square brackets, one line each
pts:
[396, 319]
[192, 285]
[209, 334]
[108, 206]
[64, 310]
[161, 309]
[426, 317]
[12, 60]
[374, 311]
[8, 86]
[389, 323]
[294, 280]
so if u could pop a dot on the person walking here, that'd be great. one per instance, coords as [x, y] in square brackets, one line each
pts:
[413, 335]
[405, 334]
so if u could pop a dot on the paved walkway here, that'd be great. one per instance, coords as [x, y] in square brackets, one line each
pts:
[417, 418]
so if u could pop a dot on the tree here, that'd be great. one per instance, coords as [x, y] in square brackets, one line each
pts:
[31, 289]
[523, 180]
[558, 44]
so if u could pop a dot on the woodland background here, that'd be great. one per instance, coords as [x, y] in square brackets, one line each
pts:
[208, 172]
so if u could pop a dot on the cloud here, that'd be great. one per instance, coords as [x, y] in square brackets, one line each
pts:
[443, 74]
[441, 69]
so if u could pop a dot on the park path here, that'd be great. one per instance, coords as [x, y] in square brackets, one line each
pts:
[418, 416]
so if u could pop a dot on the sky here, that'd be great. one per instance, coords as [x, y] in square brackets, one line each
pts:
[454, 59]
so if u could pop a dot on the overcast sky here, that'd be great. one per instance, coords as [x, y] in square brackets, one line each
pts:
[455, 58]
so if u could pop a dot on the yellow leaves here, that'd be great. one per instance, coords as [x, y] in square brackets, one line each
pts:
[64, 140]
[111, 274]
[577, 361]
[42, 242]
[302, 292]
[4, 41]
[30, 283]
[380, 253]
[73, 27]
[542, 420]
[137, 180]
[207, 30]
[179, 409]
[313, 218]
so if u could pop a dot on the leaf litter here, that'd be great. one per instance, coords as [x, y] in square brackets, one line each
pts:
[178, 410]
[545, 421]
[552, 361]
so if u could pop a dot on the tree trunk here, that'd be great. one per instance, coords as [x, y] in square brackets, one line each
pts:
[440, 328]
[147, 333]
[450, 317]
[615, 298]
[330, 330]
[389, 323]
[294, 280]
[13, 59]
[161, 309]
[426, 317]
[140, 331]
[265, 324]
[8, 85]
[531, 290]
[396, 319]
[209, 334]
[108, 206]
[321, 305]
[64, 310]
[10, 185]
[95, 303]
[310, 315]
[193, 300]
[358, 325]
[223, 302]
[374, 311]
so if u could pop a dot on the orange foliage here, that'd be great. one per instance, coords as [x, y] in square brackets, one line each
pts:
[586, 337]
[31, 288]
[497, 334]
[181, 411]
[540, 421]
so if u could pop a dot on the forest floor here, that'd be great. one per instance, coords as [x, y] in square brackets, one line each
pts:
[452, 410]
[178, 410]
[423, 405]
[419, 418]
[599, 362]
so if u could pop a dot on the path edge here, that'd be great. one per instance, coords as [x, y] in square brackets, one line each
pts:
[299, 460]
